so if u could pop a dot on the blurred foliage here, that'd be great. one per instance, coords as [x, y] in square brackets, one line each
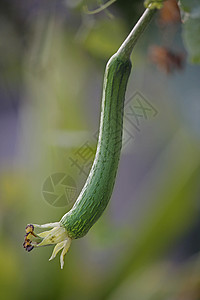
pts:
[98, 41]
[191, 28]
[146, 245]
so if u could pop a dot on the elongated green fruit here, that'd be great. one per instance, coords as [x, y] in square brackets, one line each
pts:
[98, 188]
[97, 191]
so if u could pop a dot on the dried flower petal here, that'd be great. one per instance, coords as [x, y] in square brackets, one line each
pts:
[57, 236]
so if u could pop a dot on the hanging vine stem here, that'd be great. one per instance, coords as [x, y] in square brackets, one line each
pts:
[99, 9]
[98, 188]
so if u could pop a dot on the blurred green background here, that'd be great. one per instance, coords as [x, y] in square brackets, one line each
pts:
[146, 245]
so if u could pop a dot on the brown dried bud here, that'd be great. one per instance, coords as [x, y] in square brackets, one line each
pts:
[170, 13]
[165, 59]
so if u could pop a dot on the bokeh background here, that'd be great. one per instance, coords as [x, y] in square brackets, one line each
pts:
[146, 245]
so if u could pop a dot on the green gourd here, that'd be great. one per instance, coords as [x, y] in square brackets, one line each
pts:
[98, 188]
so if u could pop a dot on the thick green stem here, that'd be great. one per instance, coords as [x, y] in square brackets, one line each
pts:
[126, 48]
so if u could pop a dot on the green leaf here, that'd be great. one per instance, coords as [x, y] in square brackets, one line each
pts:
[189, 5]
[190, 10]
[191, 38]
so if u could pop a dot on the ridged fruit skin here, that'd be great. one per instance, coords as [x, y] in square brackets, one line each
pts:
[98, 188]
